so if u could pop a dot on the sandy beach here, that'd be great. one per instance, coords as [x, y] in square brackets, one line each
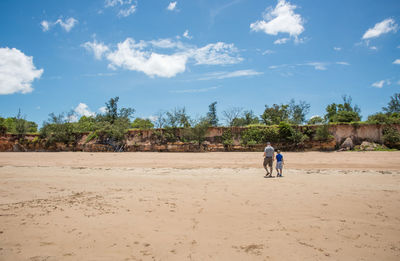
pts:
[199, 206]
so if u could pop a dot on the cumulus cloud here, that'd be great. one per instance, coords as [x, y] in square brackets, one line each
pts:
[380, 84]
[17, 71]
[337, 48]
[281, 19]
[384, 27]
[67, 25]
[98, 49]
[172, 6]
[234, 74]
[143, 56]
[83, 110]
[397, 61]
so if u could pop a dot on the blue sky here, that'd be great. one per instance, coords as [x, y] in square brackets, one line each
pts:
[57, 56]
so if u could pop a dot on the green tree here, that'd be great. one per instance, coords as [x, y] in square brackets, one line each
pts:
[275, 114]
[140, 123]
[200, 129]
[247, 118]
[178, 118]
[212, 114]
[384, 118]
[343, 112]
[298, 111]
[393, 105]
[315, 120]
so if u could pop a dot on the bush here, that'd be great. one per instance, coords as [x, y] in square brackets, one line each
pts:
[91, 136]
[227, 138]
[322, 133]
[391, 137]
[285, 131]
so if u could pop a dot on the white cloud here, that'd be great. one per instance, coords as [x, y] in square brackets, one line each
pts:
[45, 25]
[128, 11]
[281, 19]
[317, 65]
[141, 56]
[171, 6]
[266, 52]
[337, 48]
[125, 7]
[128, 56]
[83, 110]
[67, 25]
[98, 49]
[386, 26]
[102, 109]
[186, 35]
[373, 48]
[17, 71]
[234, 74]
[380, 84]
[217, 54]
[281, 41]
[397, 61]
[342, 63]
[195, 90]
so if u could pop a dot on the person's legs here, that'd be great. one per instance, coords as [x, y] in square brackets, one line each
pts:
[270, 166]
[265, 166]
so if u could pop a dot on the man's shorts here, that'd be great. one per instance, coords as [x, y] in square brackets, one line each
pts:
[267, 161]
[279, 165]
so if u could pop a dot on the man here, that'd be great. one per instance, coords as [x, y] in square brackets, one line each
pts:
[268, 159]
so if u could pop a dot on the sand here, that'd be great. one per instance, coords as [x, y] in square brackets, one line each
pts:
[199, 206]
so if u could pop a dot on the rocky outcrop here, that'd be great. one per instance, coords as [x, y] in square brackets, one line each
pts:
[347, 144]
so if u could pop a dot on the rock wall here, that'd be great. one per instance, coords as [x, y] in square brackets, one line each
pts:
[144, 140]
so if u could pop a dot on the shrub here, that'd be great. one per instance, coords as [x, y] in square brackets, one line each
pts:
[252, 135]
[391, 137]
[227, 138]
[285, 131]
[91, 136]
[322, 133]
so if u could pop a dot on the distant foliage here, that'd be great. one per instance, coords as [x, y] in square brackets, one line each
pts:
[316, 120]
[143, 124]
[384, 118]
[259, 135]
[393, 105]
[322, 133]
[17, 125]
[391, 137]
[294, 113]
[227, 137]
[343, 112]
[212, 114]
[247, 118]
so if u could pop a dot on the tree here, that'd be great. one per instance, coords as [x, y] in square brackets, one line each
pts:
[212, 114]
[275, 114]
[178, 118]
[247, 118]
[343, 112]
[298, 112]
[393, 105]
[140, 123]
[315, 120]
[21, 125]
[159, 119]
[230, 115]
[200, 129]
[112, 112]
